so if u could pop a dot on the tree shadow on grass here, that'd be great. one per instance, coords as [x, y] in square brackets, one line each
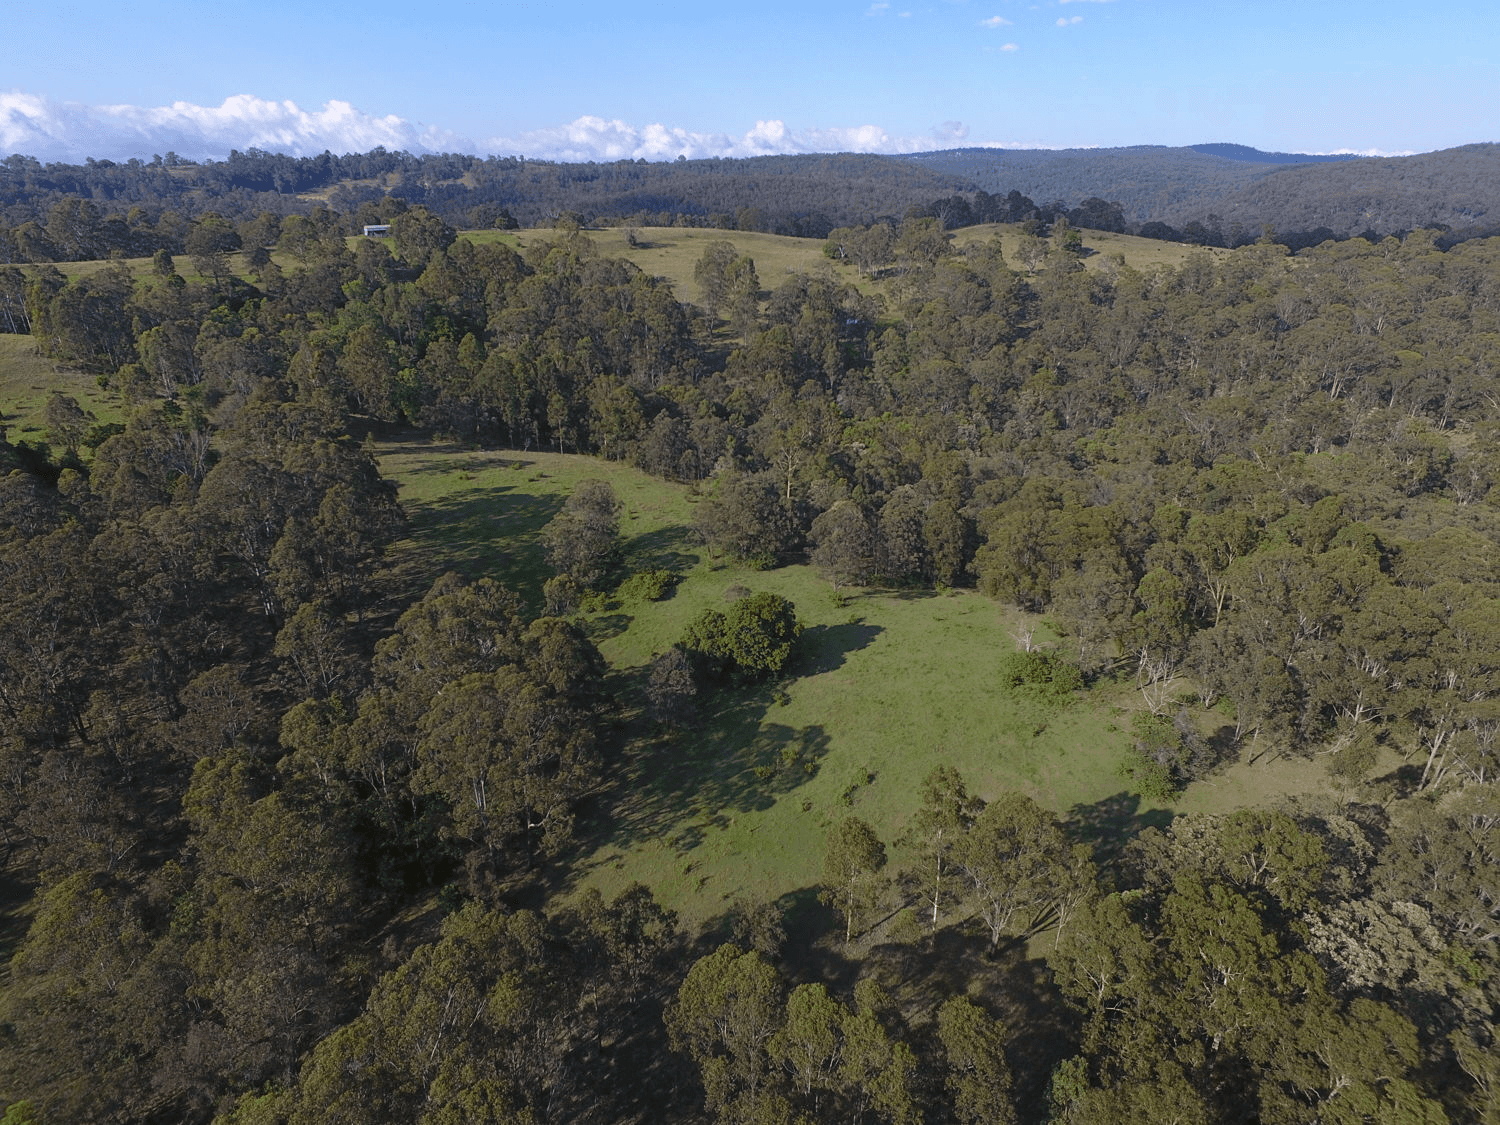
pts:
[679, 789]
[823, 648]
[806, 921]
[1216, 751]
[1107, 825]
[675, 548]
[898, 593]
[1403, 780]
[450, 458]
[14, 895]
[610, 625]
[488, 532]
[733, 751]
[946, 959]
[806, 917]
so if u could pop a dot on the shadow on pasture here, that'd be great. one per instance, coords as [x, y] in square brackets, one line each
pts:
[1107, 825]
[805, 921]
[825, 647]
[701, 779]
[1404, 780]
[901, 594]
[489, 532]
[806, 918]
[610, 625]
[1219, 750]
[667, 548]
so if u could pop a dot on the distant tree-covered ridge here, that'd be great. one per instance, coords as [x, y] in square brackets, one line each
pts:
[1256, 156]
[1453, 189]
[1209, 194]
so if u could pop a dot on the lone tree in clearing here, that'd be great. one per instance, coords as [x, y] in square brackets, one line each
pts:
[855, 856]
[583, 540]
[754, 639]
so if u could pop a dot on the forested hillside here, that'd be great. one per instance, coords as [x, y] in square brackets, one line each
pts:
[139, 207]
[1210, 195]
[1236, 198]
[299, 830]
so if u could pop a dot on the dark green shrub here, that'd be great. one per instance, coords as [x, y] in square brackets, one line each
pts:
[753, 638]
[1040, 673]
[648, 586]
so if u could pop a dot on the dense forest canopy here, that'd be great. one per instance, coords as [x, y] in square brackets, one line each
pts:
[1208, 195]
[296, 832]
[1451, 190]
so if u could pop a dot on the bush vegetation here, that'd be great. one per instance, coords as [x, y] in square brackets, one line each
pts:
[332, 799]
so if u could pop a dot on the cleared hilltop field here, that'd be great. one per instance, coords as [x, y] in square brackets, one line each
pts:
[672, 252]
[886, 685]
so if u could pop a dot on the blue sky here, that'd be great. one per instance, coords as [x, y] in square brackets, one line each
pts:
[590, 80]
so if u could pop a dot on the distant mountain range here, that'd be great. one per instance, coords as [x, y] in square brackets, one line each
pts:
[1255, 156]
[1220, 193]
[1227, 186]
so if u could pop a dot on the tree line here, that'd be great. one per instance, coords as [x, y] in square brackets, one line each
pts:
[59, 212]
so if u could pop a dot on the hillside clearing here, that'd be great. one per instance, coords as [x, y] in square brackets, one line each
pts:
[887, 685]
[27, 380]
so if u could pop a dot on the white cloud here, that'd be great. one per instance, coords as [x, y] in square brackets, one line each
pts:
[595, 138]
[70, 132]
[995, 21]
[1367, 152]
[1005, 48]
[1068, 21]
[876, 9]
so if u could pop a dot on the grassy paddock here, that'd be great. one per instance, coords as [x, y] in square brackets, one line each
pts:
[481, 512]
[28, 379]
[139, 268]
[672, 252]
[1139, 253]
[886, 685]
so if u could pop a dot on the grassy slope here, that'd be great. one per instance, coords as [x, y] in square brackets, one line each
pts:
[26, 381]
[886, 687]
[1139, 253]
[671, 252]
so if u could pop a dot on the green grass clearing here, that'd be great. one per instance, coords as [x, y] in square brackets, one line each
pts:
[27, 379]
[885, 687]
[672, 252]
[1139, 253]
[481, 512]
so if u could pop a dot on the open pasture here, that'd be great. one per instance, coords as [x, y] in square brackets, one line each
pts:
[886, 685]
[672, 252]
[27, 379]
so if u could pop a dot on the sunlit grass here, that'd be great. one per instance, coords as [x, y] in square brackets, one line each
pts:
[27, 380]
[885, 686]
